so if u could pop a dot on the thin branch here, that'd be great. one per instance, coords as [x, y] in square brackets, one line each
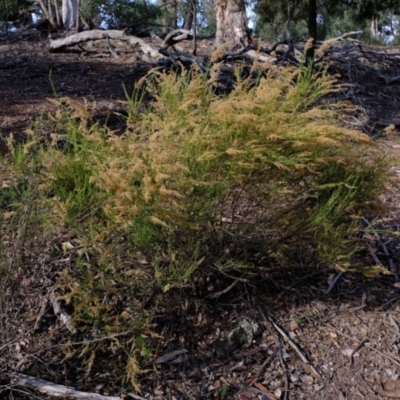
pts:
[333, 283]
[290, 341]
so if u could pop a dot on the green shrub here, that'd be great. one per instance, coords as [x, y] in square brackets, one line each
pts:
[269, 150]
[267, 168]
[268, 159]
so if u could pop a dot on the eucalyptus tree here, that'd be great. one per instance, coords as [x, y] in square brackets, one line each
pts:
[232, 23]
[373, 12]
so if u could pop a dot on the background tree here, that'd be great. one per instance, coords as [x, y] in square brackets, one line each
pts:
[206, 19]
[135, 16]
[70, 14]
[15, 13]
[190, 13]
[312, 30]
[282, 19]
[231, 23]
[373, 12]
[286, 18]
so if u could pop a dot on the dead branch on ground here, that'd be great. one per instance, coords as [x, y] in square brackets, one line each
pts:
[357, 60]
[280, 53]
[55, 390]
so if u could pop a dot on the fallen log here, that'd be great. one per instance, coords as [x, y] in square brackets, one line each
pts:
[61, 391]
[55, 390]
[82, 37]
[77, 38]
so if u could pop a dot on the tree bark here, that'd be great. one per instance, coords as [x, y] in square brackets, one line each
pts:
[70, 14]
[231, 23]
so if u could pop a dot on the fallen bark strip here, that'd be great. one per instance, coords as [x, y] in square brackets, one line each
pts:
[55, 390]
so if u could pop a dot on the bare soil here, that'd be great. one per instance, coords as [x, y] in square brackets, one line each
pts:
[348, 331]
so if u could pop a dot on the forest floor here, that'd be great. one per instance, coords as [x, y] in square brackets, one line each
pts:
[349, 331]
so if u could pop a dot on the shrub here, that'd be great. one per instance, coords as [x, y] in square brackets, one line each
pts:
[268, 168]
[268, 159]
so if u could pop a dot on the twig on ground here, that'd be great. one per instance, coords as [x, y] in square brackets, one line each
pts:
[265, 363]
[372, 251]
[384, 393]
[43, 309]
[85, 342]
[285, 371]
[361, 344]
[290, 341]
[135, 396]
[388, 356]
[383, 306]
[363, 303]
[392, 267]
[396, 336]
[226, 290]
[344, 36]
[333, 283]
[264, 391]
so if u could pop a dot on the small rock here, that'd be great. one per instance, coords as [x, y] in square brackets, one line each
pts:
[294, 325]
[307, 379]
[242, 335]
[318, 387]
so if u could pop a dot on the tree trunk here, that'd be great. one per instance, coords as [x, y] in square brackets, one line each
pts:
[58, 18]
[189, 15]
[48, 12]
[231, 23]
[288, 22]
[174, 19]
[312, 30]
[374, 27]
[70, 14]
[170, 15]
[165, 17]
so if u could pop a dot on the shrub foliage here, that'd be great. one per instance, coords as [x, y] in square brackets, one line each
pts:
[268, 168]
[266, 164]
